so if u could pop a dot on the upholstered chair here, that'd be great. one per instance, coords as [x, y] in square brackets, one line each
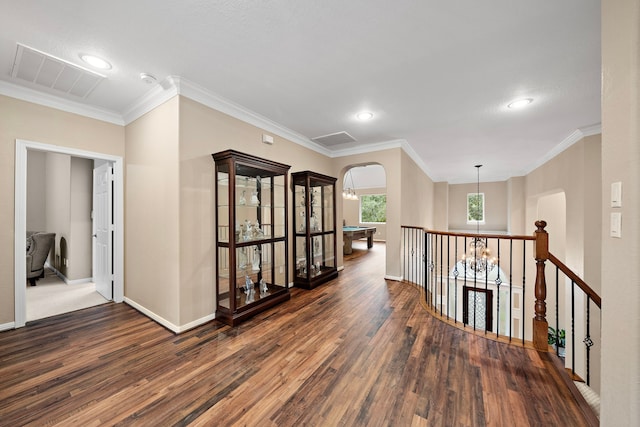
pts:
[38, 247]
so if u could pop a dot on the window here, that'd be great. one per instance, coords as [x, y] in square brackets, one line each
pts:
[373, 208]
[475, 207]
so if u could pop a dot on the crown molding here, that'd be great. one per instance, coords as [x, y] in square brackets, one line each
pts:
[23, 93]
[416, 158]
[591, 130]
[361, 149]
[574, 137]
[175, 85]
[155, 97]
[385, 145]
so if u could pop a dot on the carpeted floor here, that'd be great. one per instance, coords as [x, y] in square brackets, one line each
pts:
[52, 296]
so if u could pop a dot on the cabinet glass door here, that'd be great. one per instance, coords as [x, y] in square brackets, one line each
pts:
[251, 237]
[314, 228]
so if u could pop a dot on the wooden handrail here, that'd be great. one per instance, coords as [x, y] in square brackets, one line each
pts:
[574, 277]
[413, 227]
[489, 236]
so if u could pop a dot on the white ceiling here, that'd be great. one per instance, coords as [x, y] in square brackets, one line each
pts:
[436, 74]
[369, 176]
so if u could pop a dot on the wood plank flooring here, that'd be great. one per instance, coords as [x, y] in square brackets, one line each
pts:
[357, 351]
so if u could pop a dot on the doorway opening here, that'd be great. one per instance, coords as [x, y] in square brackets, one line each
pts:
[112, 241]
[364, 208]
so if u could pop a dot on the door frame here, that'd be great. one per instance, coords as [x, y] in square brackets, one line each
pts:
[20, 219]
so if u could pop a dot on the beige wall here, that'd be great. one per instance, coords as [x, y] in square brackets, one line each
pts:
[204, 131]
[390, 161]
[24, 120]
[36, 190]
[620, 162]
[58, 220]
[575, 172]
[80, 246]
[495, 199]
[417, 191]
[516, 207]
[441, 206]
[152, 212]
[59, 200]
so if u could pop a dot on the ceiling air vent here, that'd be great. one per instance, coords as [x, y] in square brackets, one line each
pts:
[334, 139]
[42, 70]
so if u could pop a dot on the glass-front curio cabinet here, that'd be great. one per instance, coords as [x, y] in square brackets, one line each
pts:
[251, 241]
[314, 225]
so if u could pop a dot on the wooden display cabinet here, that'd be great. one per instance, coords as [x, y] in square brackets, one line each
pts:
[252, 271]
[314, 225]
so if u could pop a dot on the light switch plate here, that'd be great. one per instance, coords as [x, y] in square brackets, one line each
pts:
[616, 224]
[616, 194]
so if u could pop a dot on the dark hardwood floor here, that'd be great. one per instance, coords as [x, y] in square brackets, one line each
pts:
[357, 351]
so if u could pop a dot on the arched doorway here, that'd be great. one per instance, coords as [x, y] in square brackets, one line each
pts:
[364, 208]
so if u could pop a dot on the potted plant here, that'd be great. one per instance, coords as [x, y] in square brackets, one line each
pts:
[558, 338]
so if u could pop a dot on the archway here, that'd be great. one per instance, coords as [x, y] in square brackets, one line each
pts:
[364, 192]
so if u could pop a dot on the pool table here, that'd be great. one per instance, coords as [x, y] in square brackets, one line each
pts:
[354, 233]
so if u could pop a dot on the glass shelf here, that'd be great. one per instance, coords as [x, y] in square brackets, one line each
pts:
[251, 239]
[314, 214]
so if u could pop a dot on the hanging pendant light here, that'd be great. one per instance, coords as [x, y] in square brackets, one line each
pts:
[477, 262]
[349, 193]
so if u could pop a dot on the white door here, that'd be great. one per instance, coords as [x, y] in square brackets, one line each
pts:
[102, 230]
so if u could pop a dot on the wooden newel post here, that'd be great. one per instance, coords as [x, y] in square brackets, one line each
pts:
[540, 324]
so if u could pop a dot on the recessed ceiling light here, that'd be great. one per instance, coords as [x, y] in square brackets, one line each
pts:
[520, 103]
[364, 115]
[96, 62]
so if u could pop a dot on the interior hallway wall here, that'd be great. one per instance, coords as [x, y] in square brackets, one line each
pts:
[417, 191]
[204, 131]
[36, 191]
[58, 204]
[152, 213]
[495, 201]
[621, 163]
[32, 122]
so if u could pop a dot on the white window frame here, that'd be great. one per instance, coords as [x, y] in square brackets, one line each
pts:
[471, 221]
[360, 207]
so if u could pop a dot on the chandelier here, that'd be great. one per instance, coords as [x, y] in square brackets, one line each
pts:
[349, 193]
[477, 262]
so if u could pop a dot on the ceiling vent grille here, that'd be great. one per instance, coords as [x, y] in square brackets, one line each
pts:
[42, 70]
[334, 139]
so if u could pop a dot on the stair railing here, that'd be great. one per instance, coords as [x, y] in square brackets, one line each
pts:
[487, 282]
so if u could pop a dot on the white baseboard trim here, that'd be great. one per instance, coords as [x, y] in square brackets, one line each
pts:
[196, 323]
[340, 268]
[394, 278]
[159, 319]
[164, 322]
[67, 281]
[7, 326]
[76, 281]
